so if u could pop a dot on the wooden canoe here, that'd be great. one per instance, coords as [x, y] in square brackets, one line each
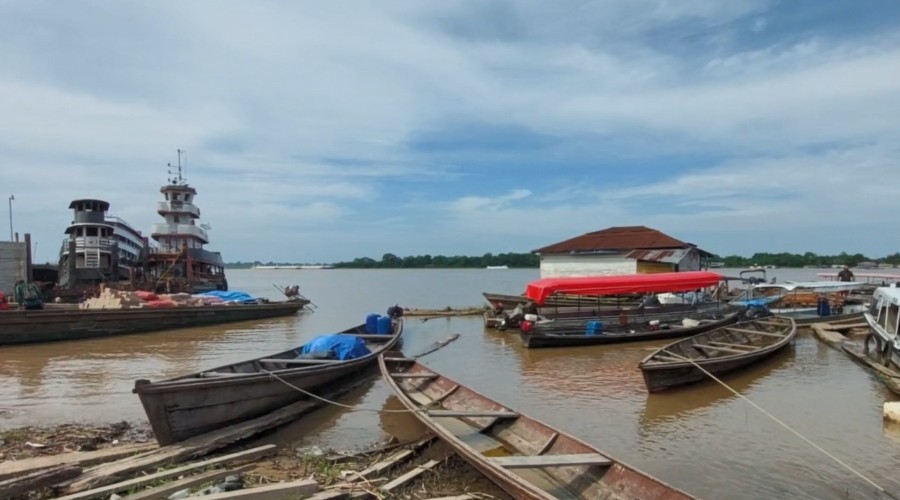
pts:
[50, 325]
[189, 405]
[525, 457]
[719, 351]
[671, 327]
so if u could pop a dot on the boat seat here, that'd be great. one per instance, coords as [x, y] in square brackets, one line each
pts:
[719, 348]
[757, 332]
[527, 462]
[726, 344]
[473, 414]
[301, 361]
[414, 375]
[663, 357]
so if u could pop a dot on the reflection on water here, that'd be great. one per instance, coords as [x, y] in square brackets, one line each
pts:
[701, 439]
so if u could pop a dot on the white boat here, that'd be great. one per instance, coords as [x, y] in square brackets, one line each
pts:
[497, 267]
[884, 324]
[807, 301]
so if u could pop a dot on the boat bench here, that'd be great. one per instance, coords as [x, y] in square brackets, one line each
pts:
[472, 414]
[303, 361]
[720, 348]
[533, 461]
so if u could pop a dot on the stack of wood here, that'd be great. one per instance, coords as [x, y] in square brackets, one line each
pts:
[113, 299]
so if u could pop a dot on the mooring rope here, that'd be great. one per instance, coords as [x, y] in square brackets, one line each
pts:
[783, 424]
[342, 405]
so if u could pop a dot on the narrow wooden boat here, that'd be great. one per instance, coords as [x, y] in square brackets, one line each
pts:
[719, 351]
[193, 404]
[50, 325]
[670, 327]
[525, 457]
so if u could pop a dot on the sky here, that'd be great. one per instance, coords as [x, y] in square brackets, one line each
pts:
[326, 131]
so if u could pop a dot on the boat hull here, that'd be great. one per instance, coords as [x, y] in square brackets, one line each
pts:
[569, 340]
[49, 325]
[195, 404]
[661, 376]
[486, 440]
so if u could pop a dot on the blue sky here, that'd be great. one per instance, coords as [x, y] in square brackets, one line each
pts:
[320, 132]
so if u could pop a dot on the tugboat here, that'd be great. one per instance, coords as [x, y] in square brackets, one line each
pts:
[98, 248]
[180, 263]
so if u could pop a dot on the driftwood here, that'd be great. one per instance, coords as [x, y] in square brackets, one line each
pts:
[409, 476]
[293, 489]
[163, 491]
[82, 458]
[200, 445]
[39, 479]
[79, 485]
[436, 345]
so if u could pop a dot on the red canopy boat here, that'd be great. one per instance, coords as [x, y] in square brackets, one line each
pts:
[538, 291]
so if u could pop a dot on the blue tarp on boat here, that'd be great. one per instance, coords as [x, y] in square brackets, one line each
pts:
[230, 296]
[336, 346]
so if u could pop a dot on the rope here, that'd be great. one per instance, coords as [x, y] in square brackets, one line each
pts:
[335, 403]
[786, 426]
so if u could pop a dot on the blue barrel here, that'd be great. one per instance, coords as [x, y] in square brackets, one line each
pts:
[823, 308]
[384, 325]
[372, 322]
[594, 328]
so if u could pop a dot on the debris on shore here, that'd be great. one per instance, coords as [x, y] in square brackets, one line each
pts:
[81, 462]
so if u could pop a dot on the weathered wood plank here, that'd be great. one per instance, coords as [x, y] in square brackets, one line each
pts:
[163, 491]
[749, 348]
[414, 375]
[301, 361]
[124, 485]
[293, 489]
[720, 348]
[457, 497]
[409, 476]
[202, 445]
[437, 345]
[757, 332]
[38, 479]
[394, 459]
[522, 462]
[82, 458]
[472, 414]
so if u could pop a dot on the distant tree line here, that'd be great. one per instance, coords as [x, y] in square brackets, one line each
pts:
[807, 259]
[525, 260]
[391, 261]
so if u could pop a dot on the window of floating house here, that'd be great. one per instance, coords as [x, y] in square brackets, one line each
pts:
[91, 231]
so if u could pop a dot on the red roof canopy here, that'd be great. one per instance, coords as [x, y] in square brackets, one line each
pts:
[538, 291]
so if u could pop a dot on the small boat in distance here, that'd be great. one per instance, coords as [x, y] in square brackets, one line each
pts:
[527, 458]
[720, 351]
[190, 405]
[497, 267]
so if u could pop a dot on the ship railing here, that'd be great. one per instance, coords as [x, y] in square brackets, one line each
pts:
[181, 229]
[177, 207]
[89, 242]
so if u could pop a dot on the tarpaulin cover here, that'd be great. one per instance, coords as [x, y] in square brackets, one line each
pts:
[232, 296]
[538, 291]
[342, 346]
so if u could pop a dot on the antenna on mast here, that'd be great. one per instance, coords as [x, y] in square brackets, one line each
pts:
[180, 178]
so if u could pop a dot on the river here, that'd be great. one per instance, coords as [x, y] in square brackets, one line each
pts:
[702, 439]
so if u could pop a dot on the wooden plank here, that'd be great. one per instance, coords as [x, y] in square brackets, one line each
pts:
[277, 491]
[82, 458]
[472, 414]
[38, 479]
[301, 361]
[437, 345]
[547, 444]
[757, 332]
[201, 445]
[726, 344]
[532, 461]
[163, 491]
[415, 375]
[457, 497]
[664, 358]
[447, 393]
[391, 461]
[719, 348]
[124, 485]
[409, 476]
[329, 495]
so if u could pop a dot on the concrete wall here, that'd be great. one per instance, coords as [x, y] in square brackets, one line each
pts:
[586, 265]
[12, 265]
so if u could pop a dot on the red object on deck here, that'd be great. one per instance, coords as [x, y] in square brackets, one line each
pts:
[4, 305]
[538, 291]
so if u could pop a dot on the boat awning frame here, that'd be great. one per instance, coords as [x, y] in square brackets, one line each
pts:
[538, 291]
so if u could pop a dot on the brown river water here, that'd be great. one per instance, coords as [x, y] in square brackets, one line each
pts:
[702, 439]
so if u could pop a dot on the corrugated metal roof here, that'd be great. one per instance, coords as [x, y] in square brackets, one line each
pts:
[616, 238]
[669, 256]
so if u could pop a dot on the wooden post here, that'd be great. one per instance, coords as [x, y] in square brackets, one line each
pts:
[29, 274]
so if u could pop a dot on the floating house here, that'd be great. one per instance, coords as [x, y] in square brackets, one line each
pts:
[621, 250]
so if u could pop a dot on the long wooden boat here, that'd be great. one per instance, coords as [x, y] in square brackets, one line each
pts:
[674, 326]
[809, 302]
[719, 351]
[527, 458]
[50, 325]
[193, 404]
